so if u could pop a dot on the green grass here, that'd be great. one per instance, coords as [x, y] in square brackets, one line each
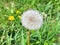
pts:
[13, 33]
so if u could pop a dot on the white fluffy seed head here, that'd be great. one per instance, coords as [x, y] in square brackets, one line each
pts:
[32, 19]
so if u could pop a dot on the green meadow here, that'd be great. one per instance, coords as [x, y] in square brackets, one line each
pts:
[13, 33]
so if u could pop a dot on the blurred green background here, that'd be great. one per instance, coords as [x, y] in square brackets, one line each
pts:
[13, 33]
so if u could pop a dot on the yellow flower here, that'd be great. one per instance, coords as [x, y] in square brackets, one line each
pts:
[11, 18]
[17, 12]
[19, 17]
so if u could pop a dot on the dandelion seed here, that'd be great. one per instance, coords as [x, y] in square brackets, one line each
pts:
[11, 18]
[32, 20]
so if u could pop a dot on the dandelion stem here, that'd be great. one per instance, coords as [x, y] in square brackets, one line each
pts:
[29, 37]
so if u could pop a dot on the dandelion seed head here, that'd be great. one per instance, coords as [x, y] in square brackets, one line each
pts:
[32, 20]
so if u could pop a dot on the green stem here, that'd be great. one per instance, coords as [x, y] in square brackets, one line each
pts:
[29, 37]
